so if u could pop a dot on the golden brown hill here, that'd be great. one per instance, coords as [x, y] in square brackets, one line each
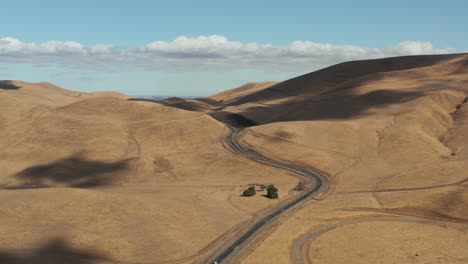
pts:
[90, 178]
[321, 96]
[392, 134]
[327, 79]
[96, 178]
[214, 102]
[241, 91]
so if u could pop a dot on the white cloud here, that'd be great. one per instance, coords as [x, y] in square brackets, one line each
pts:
[102, 49]
[216, 45]
[61, 47]
[415, 48]
[205, 52]
[12, 46]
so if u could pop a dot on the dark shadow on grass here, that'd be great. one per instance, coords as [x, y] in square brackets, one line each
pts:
[172, 102]
[145, 100]
[266, 196]
[233, 119]
[195, 105]
[331, 94]
[209, 101]
[55, 251]
[324, 80]
[463, 66]
[342, 105]
[8, 85]
[74, 171]
[328, 94]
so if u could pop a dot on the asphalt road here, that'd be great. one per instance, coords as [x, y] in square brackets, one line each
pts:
[319, 181]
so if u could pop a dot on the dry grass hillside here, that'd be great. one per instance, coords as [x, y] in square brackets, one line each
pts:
[214, 102]
[392, 135]
[241, 91]
[104, 178]
[96, 178]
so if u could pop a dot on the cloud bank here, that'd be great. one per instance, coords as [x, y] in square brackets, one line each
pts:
[201, 53]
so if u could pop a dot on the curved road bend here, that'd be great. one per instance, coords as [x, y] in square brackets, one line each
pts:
[299, 247]
[313, 175]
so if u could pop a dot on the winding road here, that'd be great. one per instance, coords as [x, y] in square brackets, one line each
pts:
[236, 246]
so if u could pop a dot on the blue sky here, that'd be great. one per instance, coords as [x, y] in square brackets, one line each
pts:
[202, 47]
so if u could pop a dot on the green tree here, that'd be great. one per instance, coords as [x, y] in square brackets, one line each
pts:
[272, 192]
[249, 191]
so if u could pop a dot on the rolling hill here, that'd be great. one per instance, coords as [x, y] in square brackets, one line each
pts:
[102, 177]
[391, 134]
[98, 177]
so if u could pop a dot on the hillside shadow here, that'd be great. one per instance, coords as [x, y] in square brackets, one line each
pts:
[233, 119]
[344, 105]
[209, 101]
[145, 100]
[341, 104]
[326, 79]
[55, 251]
[462, 66]
[74, 171]
[189, 105]
[172, 102]
[8, 85]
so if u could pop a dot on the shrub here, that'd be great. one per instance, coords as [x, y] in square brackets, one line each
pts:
[299, 187]
[272, 192]
[249, 191]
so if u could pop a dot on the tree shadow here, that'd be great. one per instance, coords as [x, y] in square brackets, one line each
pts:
[55, 251]
[8, 85]
[74, 171]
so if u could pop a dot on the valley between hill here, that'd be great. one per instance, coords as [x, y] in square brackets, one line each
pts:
[102, 177]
